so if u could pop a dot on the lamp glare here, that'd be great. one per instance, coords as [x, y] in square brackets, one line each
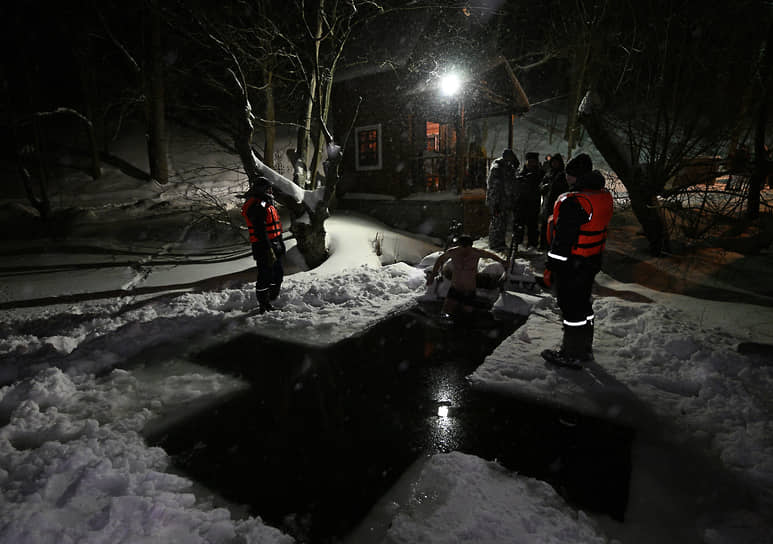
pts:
[450, 84]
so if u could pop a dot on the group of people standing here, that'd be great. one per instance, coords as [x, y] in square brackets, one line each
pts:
[564, 210]
[523, 199]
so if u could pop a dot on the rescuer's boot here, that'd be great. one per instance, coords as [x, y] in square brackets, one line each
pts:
[263, 301]
[573, 348]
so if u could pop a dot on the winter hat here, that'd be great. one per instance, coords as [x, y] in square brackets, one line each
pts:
[260, 186]
[532, 155]
[593, 180]
[558, 159]
[509, 155]
[579, 165]
[464, 240]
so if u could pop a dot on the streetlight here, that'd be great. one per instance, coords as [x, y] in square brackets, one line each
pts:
[450, 84]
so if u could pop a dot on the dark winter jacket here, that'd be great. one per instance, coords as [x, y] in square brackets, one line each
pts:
[527, 191]
[500, 185]
[553, 185]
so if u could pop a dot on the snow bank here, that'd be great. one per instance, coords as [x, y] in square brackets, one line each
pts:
[659, 368]
[74, 468]
[461, 498]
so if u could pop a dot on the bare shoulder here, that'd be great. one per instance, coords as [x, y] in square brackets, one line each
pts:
[454, 251]
[485, 253]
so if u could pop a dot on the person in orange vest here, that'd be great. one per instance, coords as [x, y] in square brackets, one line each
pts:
[268, 248]
[577, 233]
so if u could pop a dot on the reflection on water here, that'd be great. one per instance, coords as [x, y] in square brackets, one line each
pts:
[444, 427]
[323, 433]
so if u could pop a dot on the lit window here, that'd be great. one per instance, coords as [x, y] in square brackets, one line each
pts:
[368, 155]
[433, 136]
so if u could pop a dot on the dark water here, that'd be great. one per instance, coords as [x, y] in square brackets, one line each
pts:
[323, 433]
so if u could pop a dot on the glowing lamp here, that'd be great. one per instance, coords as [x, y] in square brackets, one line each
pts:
[450, 84]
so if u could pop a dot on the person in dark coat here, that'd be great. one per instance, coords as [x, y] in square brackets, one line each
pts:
[268, 248]
[577, 234]
[553, 185]
[527, 200]
[500, 186]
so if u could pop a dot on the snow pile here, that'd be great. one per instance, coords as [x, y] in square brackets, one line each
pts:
[462, 498]
[74, 468]
[314, 309]
[661, 369]
[318, 309]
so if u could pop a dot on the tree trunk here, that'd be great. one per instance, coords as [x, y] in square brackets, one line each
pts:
[310, 238]
[315, 99]
[761, 166]
[760, 171]
[153, 77]
[301, 175]
[304, 137]
[268, 148]
[96, 165]
[93, 111]
[41, 204]
[577, 88]
[648, 212]
[316, 153]
[643, 197]
[325, 104]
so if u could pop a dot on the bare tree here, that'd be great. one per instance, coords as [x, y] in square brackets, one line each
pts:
[308, 209]
[148, 67]
[153, 79]
[667, 84]
[298, 48]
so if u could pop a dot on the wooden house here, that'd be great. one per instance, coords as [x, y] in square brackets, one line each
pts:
[407, 142]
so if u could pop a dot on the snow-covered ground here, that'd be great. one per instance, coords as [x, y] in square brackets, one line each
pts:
[74, 466]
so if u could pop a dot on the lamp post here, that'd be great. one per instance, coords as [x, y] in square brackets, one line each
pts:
[451, 86]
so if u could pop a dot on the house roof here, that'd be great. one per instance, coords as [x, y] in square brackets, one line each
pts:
[497, 85]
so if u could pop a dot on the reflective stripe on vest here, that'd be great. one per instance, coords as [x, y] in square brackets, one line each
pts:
[273, 224]
[598, 204]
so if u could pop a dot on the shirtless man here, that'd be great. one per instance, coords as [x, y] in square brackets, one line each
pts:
[464, 259]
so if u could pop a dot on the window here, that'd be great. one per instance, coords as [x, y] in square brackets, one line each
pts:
[433, 136]
[368, 155]
[439, 137]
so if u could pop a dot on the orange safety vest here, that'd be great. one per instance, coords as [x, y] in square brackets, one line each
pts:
[273, 224]
[598, 204]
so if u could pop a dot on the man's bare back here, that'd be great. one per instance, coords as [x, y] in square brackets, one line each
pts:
[464, 260]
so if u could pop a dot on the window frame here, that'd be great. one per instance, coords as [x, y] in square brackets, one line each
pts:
[363, 167]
